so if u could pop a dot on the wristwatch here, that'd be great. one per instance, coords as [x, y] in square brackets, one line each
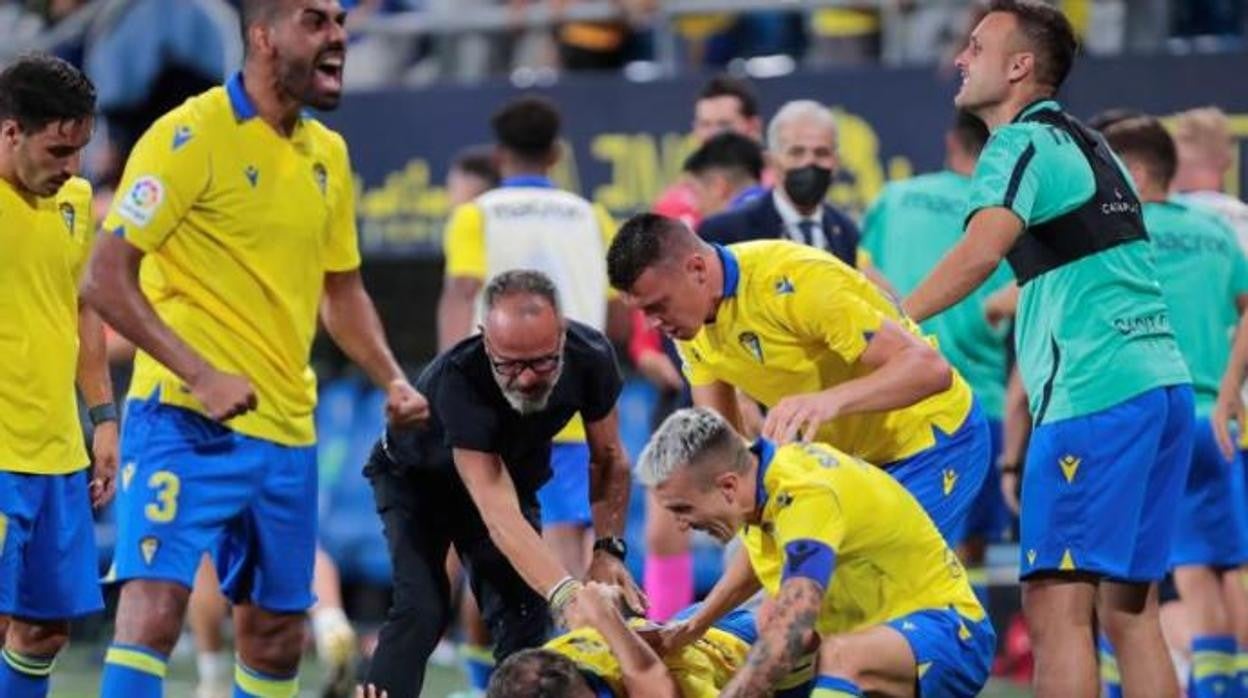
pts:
[104, 412]
[612, 545]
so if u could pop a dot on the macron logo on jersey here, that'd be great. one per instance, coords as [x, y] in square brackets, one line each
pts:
[181, 135]
[140, 204]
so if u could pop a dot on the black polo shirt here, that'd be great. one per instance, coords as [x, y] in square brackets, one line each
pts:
[468, 409]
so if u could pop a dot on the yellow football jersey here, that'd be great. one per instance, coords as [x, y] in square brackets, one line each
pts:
[240, 225]
[852, 528]
[526, 223]
[794, 320]
[701, 669]
[45, 243]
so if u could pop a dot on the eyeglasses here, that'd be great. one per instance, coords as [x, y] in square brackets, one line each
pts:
[512, 368]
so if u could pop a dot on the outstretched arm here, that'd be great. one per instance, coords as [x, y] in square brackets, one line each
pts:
[608, 497]
[989, 236]
[782, 643]
[904, 370]
[645, 675]
[494, 493]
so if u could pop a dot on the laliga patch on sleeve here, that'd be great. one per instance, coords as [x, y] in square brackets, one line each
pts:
[140, 204]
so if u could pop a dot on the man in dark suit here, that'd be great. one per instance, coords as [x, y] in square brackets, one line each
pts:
[802, 140]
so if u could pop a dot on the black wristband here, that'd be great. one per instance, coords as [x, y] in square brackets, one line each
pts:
[613, 546]
[106, 412]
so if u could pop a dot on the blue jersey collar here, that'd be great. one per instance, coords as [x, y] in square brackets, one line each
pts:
[528, 180]
[765, 450]
[1039, 105]
[239, 101]
[732, 270]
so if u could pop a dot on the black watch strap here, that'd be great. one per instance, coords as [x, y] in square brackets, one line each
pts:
[612, 545]
[105, 412]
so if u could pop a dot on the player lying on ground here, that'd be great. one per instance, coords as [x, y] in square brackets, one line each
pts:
[606, 655]
[845, 551]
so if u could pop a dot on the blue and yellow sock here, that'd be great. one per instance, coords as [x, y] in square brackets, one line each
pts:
[478, 665]
[249, 683]
[24, 676]
[834, 687]
[1241, 673]
[1111, 680]
[131, 671]
[1213, 666]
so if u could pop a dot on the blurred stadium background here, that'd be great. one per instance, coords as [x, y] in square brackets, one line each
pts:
[424, 76]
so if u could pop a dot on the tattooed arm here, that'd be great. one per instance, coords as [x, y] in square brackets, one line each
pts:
[782, 642]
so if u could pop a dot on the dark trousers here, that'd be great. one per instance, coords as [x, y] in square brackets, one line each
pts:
[424, 513]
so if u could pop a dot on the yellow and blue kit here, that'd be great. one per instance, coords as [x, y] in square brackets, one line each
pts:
[796, 320]
[47, 540]
[865, 540]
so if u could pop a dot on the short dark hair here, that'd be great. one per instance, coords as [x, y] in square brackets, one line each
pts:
[256, 12]
[478, 161]
[1108, 117]
[534, 673]
[729, 86]
[970, 131]
[642, 242]
[38, 89]
[1050, 35]
[740, 155]
[529, 282]
[528, 126]
[1146, 141]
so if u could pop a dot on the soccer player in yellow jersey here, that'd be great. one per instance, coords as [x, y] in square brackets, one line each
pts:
[47, 544]
[828, 352]
[606, 656]
[850, 558]
[234, 226]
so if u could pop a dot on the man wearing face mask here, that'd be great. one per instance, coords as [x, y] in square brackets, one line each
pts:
[471, 478]
[802, 139]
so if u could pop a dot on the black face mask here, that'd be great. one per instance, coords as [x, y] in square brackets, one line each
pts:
[806, 186]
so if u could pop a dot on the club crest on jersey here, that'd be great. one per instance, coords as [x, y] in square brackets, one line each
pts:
[321, 177]
[253, 175]
[68, 215]
[148, 546]
[784, 287]
[750, 341]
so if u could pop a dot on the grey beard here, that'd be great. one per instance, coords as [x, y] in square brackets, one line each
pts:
[528, 405]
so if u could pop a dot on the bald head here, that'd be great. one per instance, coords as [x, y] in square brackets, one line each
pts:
[522, 312]
[524, 333]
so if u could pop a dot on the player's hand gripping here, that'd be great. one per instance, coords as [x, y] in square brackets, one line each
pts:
[610, 570]
[677, 634]
[799, 416]
[593, 606]
[104, 463]
[223, 395]
[405, 406]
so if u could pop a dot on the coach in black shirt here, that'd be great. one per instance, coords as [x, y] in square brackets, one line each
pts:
[470, 476]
